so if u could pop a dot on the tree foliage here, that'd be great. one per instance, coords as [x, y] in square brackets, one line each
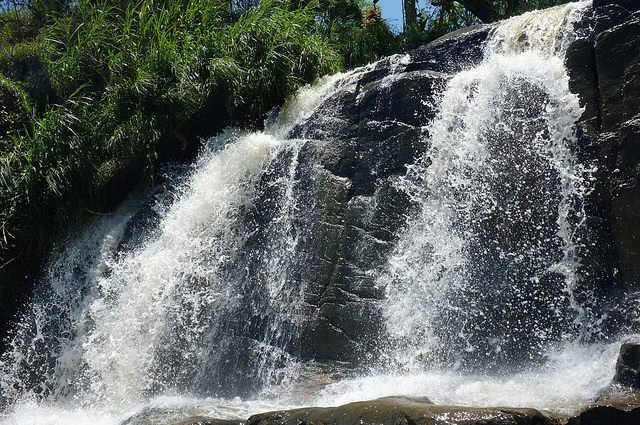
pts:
[493, 10]
[450, 12]
[442, 16]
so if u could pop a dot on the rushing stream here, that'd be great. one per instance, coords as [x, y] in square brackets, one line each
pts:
[192, 294]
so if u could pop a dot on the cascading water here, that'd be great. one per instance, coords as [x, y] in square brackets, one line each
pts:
[179, 306]
[488, 264]
[186, 306]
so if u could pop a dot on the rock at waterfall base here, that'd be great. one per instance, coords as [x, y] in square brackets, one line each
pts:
[398, 411]
[628, 366]
[412, 411]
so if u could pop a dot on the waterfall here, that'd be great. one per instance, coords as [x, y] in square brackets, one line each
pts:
[488, 264]
[194, 299]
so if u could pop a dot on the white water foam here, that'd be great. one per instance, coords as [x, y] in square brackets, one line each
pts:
[158, 411]
[109, 355]
[114, 326]
[500, 158]
[572, 377]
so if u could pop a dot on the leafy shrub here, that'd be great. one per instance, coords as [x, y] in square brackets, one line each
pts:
[369, 41]
[14, 108]
[138, 82]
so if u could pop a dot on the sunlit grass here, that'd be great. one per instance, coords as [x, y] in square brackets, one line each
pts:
[137, 83]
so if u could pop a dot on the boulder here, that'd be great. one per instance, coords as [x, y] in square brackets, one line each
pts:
[402, 411]
[628, 366]
[607, 415]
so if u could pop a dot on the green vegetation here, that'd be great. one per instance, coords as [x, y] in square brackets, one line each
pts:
[101, 94]
[493, 10]
[442, 16]
[95, 94]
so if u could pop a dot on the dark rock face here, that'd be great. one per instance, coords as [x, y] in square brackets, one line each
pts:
[379, 129]
[628, 366]
[607, 415]
[363, 136]
[370, 211]
[604, 67]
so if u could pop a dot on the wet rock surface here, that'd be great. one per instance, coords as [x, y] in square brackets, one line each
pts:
[397, 411]
[620, 405]
[628, 366]
[364, 136]
[619, 408]
[604, 66]
[607, 415]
